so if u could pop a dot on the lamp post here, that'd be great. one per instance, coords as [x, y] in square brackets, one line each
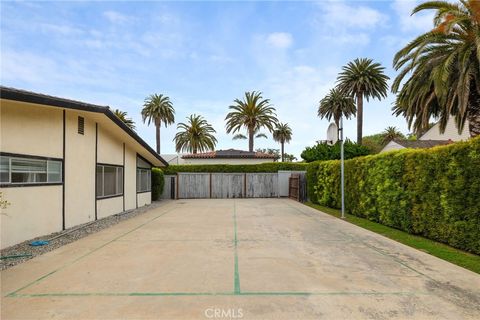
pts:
[342, 169]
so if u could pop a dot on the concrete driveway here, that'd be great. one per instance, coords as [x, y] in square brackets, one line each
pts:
[237, 259]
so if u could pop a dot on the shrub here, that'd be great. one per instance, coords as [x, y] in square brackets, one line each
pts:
[157, 183]
[264, 167]
[324, 151]
[430, 192]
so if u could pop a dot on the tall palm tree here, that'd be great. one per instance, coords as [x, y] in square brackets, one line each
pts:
[240, 136]
[444, 69]
[335, 104]
[362, 78]
[122, 115]
[391, 133]
[195, 135]
[282, 133]
[158, 108]
[253, 113]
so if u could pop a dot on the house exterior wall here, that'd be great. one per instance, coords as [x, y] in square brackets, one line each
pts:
[130, 179]
[79, 170]
[27, 129]
[107, 207]
[392, 145]
[37, 130]
[451, 132]
[30, 130]
[23, 220]
[144, 198]
[226, 161]
[110, 149]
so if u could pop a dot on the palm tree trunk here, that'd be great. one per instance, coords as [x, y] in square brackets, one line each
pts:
[157, 129]
[283, 153]
[250, 139]
[359, 117]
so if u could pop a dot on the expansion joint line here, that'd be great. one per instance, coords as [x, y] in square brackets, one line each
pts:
[236, 289]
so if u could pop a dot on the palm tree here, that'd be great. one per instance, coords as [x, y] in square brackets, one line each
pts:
[335, 104]
[282, 133]
[122, 115]
[252, 112]
[196, 135]
[444, 69]
[391, 133]
[362, 78]
[158, 108]
[240, 136]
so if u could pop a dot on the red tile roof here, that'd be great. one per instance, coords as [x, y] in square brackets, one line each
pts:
[229, 154]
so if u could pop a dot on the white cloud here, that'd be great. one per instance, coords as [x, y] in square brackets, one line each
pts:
[63, 30]
[345, 24]
[422, 21]
[341, 15]
[280, 40]
[116, 17]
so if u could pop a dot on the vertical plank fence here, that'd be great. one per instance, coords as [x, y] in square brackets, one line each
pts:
[205, 185]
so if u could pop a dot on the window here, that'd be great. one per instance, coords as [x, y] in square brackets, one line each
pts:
[144, 180]
[26, 170]
[109, 181]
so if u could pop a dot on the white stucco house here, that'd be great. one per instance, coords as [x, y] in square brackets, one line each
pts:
[432, 137]
[64, 163]
[230, 156]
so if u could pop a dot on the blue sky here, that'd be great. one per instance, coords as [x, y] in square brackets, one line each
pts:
[203, 55]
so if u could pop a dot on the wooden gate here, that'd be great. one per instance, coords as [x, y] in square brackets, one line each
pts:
[297, 187]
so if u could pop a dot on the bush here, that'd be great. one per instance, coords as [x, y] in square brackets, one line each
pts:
[157, 183]
[324, 151]
[430, 192]
[264, 167]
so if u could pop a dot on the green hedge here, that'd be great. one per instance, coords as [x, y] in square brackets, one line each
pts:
[157, 183]
[430, 192]
[264, 167]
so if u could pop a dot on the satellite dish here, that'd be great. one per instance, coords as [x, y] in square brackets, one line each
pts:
[332, 134]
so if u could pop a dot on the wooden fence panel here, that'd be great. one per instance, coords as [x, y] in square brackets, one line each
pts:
[193, 185]
[227, 185]
[262, 185]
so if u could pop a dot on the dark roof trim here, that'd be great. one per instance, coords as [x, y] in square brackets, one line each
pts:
[37, 98]
[420, 144]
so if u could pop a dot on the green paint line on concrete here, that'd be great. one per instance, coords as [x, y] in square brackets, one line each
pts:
[118, 294]
[193, 294]
[236, 286]
[87, 254]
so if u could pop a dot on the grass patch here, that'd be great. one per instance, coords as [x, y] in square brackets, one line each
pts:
[461, 258]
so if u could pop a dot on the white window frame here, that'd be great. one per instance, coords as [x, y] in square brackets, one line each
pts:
[32, 183]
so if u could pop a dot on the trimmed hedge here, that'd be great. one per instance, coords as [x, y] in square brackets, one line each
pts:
[430, 192]
[263, 167]
[157, 183]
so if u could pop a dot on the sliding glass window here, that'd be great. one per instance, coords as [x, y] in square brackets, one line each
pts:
[18, 170]
[144, 177]
[109, 180]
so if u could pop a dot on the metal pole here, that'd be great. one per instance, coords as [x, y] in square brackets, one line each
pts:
[342, 178]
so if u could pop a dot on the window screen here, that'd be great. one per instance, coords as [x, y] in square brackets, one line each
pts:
[109, 180]
[143, 180]
[19, 170]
